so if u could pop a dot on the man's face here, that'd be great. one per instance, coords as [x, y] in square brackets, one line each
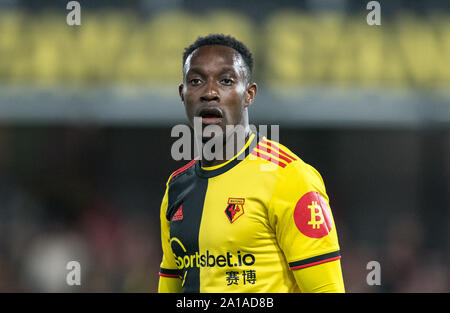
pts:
[215, 87]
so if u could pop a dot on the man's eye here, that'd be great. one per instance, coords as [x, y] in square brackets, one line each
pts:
[227, 81]
[195, 81]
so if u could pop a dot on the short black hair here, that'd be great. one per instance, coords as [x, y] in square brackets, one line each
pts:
[223, 40]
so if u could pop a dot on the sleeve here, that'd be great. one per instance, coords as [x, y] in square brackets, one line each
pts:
[168, 269]
[325, 277]
[169, 285]
[301, 217]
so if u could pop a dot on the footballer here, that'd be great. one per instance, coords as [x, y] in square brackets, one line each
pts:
[228, 225]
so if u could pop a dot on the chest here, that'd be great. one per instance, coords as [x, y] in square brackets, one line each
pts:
[222, 213]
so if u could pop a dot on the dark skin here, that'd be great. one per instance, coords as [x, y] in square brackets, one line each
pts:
[216, 88]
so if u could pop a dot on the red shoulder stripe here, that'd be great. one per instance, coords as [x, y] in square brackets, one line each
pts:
[265, 157]
[263, 141]
[274, 153]
[182, 169]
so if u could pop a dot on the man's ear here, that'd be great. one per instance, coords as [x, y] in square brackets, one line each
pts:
[250, 94]
[180, 91]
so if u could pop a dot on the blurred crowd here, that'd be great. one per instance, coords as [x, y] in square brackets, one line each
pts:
[407, 265]
[53, 209]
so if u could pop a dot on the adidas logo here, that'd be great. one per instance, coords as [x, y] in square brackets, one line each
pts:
[178, 216]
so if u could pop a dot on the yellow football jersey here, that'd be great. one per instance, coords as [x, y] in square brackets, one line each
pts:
[244, 225]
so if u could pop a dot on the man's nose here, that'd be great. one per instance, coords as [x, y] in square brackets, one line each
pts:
[210, 93]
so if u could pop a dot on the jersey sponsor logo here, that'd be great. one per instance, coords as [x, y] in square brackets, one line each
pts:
[178, 216]
[209, 259]
[185, 260]
[235, 208]
[236, 260]
[312, 215]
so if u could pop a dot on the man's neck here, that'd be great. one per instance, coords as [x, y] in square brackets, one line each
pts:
[236, 146]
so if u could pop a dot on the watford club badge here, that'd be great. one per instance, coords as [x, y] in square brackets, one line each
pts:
[235, 208]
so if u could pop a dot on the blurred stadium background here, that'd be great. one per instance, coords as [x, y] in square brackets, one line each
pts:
[86, 113]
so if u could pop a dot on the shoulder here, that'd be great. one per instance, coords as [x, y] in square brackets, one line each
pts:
[289, 163]
[178, 181]
[181, 171]
[178, 178]
[274, 152]
[292, 172]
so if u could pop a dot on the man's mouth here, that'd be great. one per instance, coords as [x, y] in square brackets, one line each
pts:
[210, 115]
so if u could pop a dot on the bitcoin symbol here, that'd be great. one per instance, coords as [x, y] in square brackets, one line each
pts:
[316, 211]
[312, 215]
